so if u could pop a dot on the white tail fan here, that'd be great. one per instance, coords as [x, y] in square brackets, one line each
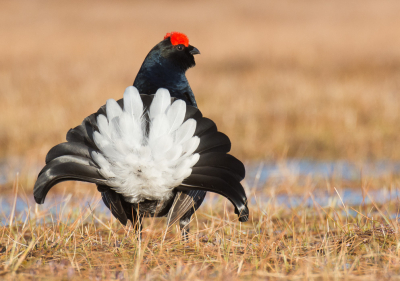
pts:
[142, 165]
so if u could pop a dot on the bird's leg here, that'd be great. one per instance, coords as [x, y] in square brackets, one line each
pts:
[184, 225]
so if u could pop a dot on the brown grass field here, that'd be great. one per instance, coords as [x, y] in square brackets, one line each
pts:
[300, 241]
[283, 79]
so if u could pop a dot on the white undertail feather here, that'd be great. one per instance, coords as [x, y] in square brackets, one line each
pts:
[145, 165]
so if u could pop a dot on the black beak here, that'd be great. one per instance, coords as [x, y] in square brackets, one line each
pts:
[194, 51]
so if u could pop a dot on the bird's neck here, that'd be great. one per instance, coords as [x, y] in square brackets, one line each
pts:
[158, 72]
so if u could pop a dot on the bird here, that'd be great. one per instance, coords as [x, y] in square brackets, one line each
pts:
[151, 153]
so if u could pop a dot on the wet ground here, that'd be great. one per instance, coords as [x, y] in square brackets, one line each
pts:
[262, 184]
[259, 173]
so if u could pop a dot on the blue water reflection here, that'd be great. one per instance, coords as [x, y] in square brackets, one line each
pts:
[261, 172]
[258, 174]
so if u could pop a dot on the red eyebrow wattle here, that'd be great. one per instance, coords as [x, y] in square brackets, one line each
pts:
[177, 38]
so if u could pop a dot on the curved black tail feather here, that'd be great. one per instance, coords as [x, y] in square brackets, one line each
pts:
[65, 168]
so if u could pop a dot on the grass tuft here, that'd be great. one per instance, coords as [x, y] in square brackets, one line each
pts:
[71, 239]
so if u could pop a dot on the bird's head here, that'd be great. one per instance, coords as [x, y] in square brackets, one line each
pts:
[175, 48]
[165, 67]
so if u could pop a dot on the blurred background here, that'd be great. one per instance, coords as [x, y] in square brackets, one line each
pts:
[308, 92]
[314, 80]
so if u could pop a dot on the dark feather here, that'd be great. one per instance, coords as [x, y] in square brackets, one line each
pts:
[205, 126]
[65, 168]
[69, 148]
[184, 202]
[146, 99]
[222, 160]
[192, 112]
[228, 176]
[84, 132]
[113, 201]
[216, 142]
[77, 134]
[217, 185]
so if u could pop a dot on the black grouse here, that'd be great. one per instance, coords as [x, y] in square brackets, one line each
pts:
[151, 153]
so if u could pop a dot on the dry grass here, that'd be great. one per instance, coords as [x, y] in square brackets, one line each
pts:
[306, 79]
[299, 79]
[75, 240]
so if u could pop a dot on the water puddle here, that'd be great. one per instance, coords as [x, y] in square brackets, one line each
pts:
[56, 208]
[59, 208]
[258, 174]
[348, 197]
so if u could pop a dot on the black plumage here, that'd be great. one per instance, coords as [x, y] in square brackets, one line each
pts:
[165, 67]
[216, 171]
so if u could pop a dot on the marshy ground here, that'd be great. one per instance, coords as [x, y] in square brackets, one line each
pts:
[286, 81]
[301, 227]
